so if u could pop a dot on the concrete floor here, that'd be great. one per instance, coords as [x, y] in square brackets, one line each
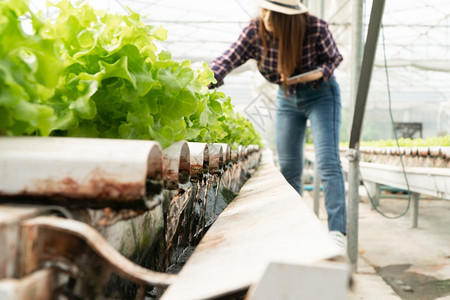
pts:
[397, 261]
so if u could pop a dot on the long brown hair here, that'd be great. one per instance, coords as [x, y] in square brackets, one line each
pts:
[289, 31]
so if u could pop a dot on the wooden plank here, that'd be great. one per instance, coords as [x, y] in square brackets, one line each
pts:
[267, 222]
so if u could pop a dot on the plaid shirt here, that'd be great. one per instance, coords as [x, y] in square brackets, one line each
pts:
[319, 50]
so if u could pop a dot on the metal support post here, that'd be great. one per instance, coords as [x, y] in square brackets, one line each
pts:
[353, 207]
[376, 16]
[322, 9]
[305, 2]
[373, 190]
[357, 50]
[316, 190]
[415, 212]
[370, 48]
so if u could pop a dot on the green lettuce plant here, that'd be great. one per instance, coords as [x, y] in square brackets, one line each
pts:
[90, 73]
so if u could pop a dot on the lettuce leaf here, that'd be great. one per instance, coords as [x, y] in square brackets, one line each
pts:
[91, 73]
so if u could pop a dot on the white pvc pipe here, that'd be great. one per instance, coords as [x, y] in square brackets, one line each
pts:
[80, 168]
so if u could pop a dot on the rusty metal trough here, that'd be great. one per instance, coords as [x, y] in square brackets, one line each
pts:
[107, 218]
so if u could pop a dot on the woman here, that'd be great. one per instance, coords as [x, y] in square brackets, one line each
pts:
[285, 41]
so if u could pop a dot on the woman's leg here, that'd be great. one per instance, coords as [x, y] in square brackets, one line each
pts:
[325, 116]
[290, 125]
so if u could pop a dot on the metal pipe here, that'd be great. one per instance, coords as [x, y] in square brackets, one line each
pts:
[199, 160]
[226, 150]
[355, 133]
[85, 170]
[40, 233]
[373, 191]
[177, 167]
[306, 2]
[353, 208]
[357, 47]
[415, 215]
[322, 9]
[316, 190]
[370, 48]
[216, 158]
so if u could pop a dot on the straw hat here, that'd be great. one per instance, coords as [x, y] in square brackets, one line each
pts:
[289, 7]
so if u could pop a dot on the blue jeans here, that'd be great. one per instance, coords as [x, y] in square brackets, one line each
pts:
[322, 106]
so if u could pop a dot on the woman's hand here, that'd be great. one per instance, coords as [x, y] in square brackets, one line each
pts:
[304, 79]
